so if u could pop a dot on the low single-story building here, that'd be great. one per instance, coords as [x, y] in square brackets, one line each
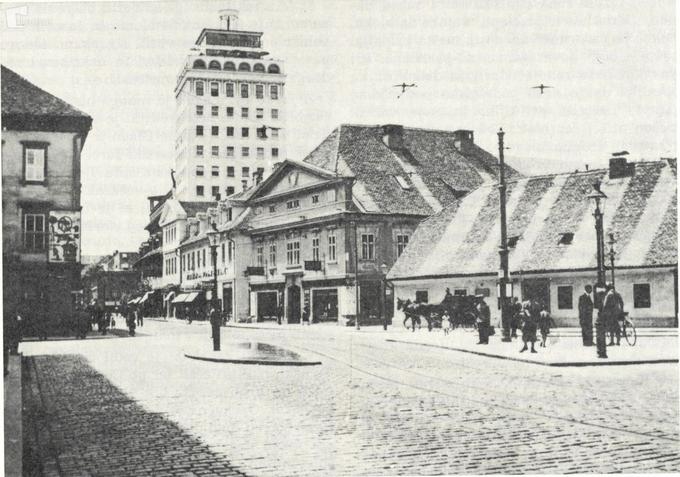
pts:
[552, 243]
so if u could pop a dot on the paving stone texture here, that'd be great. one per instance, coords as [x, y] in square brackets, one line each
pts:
[372, 408]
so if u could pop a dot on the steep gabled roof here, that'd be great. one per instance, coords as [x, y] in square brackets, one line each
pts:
[435, 168]
[463, 239]
[27, 107]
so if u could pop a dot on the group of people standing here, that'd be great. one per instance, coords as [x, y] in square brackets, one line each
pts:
[610, 307]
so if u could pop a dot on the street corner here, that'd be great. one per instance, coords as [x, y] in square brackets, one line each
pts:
[251, 352]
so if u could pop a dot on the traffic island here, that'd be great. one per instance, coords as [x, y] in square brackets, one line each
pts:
[559, 351]
[251, 352]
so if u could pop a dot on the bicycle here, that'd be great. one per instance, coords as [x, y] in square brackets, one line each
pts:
[627, 329]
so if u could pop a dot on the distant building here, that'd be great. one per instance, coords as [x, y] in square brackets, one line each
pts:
[119, 261]
[230, 113]
[42, 139]
[552, 243]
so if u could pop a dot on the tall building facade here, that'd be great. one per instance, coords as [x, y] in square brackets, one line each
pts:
[230, 113]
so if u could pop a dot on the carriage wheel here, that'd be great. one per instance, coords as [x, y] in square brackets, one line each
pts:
[631, 335]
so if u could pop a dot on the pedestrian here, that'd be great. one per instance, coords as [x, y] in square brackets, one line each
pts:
[612, 310]
[305, 314]
[131, 322]
[515, 316]
[82, 322]
[215, 320]
[187, 315]
[585, 315]
[544, 324]
[279, 312]
[483, 320]
[530, 315]
[140, 316]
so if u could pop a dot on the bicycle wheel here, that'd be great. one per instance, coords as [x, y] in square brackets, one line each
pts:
[630, 334]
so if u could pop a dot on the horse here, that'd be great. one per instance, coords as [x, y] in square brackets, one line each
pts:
[415, 311]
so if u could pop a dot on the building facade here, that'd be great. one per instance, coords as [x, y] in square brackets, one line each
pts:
[42, 140]
[230, 113]
[552, 242]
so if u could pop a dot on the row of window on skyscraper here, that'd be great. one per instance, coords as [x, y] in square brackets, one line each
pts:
[245, 112]
[231, 151]
[230, 90]
[215, 171]
[231, 66]
[214, 190]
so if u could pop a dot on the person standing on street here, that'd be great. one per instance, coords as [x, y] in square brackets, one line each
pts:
[215, 322]
[516, 317]
[530, 315]
[483, 320]
[612, 309]
[585, 315]
[131, 322]
[544, 324]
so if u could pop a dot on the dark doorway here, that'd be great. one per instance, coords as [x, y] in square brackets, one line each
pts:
[537, 289]
[369, 293]
[293, 304]
[228, 300]
[325, 305]
[266, 306]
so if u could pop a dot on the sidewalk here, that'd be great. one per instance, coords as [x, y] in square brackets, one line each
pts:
[564, 347]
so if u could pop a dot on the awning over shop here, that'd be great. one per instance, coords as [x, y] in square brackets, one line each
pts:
[144, 298]
[169, 296]
[180, 298]
[191, 297]
[133, 301]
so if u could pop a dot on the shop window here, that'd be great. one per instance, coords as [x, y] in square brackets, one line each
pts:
[565, 297]
[35, 236]
[642, 295]
[421, 296]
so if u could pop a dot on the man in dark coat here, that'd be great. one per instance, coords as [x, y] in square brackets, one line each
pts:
[585, 316]
[483, 320]
[612, 311]
[215, 323]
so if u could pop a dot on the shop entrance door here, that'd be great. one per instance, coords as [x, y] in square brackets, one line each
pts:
[537, 289]
[266, 306]
[325, 305]
[293, 304]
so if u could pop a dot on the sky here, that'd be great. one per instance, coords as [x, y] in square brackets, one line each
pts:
[612, 65]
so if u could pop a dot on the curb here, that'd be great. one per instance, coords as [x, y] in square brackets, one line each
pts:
[253, 361]
[553, 364]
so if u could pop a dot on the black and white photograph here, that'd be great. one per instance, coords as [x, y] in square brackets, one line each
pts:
[331, 238]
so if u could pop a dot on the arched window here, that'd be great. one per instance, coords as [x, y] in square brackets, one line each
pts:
[244, 67]
[214, 65]
[229, 66]
[274, 69]
[258, 68]
[199, 64]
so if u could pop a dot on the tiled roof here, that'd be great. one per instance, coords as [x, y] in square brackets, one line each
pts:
[24, 104]
[463, 239]
[436, 170]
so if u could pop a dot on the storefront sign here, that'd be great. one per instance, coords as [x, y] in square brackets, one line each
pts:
[64, 236]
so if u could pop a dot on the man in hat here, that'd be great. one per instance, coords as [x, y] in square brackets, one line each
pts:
[483, 319]
[612, 310]
[585, 315]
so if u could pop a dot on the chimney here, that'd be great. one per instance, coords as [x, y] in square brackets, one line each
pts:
[393, 136]
[461, 137]
[229, 19]
[619, 166]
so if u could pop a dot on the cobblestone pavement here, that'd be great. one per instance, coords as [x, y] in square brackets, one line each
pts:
[379, 408]
[77, 423]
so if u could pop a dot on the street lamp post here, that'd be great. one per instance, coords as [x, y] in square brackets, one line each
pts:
[503, 249]
[598, 199]
[356, 276]
[612, 254]
[213, 239]
[383, 283]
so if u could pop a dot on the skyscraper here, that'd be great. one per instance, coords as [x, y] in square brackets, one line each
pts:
[230, 113]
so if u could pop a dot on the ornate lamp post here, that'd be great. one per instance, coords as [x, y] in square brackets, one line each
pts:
[597, 199]
[383, 269]
[213, 240]
[612, 254]
[503, 249]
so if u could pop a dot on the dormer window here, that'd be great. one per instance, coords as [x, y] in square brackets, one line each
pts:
[402, 182]
[512, 241]
[566, 238]
[293, 204]
[272, 209]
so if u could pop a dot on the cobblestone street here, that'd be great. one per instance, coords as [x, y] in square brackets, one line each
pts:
[372, 408]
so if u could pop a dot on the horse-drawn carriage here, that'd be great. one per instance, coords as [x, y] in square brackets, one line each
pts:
[455, 311]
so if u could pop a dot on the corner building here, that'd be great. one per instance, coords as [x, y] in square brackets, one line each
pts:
[230, 113]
